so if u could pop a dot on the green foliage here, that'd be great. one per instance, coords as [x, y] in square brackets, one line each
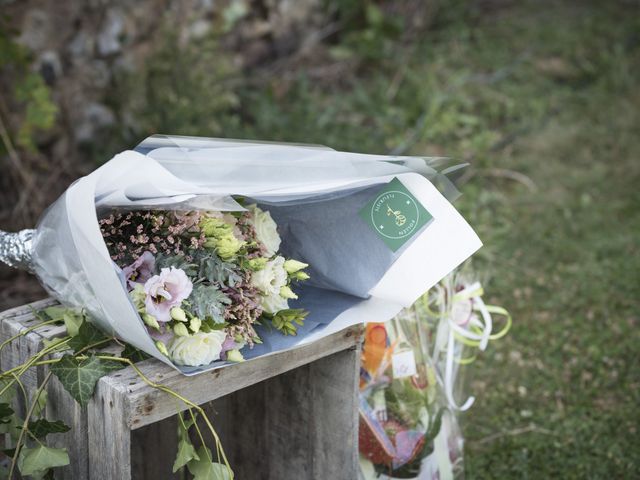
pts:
[79, 376]
[285, 321]
[88, 336]
[208, 302]
[204, 469]
[134, 354]
[5, 413]
[42, 427]
[368, 32]
[182, 89]
[214, 270]
[186, 450]
[37, 460]
[27, 89]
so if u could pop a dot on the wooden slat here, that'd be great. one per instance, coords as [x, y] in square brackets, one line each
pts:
[109, 438]
[148, 405]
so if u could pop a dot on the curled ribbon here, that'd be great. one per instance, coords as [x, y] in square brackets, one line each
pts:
[459, 325]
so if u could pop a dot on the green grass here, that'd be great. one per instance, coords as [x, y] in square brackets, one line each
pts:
[549, 91]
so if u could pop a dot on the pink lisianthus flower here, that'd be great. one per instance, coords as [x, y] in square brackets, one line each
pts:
[166, 291]
[141, 270]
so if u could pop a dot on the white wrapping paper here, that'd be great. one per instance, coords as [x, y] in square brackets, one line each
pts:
[314, 194]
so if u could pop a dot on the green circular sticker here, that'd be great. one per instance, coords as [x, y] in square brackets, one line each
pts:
[395, 214]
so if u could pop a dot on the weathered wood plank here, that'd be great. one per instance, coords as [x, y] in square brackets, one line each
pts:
[148, 405]
[298, 425]
[108, 436]
[153, 451]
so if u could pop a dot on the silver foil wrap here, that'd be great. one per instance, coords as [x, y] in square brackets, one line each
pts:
[16, 249]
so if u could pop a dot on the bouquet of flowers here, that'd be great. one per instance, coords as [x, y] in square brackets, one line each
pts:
[410, 381]
[406, 429]
[201, 252]
[202, 280]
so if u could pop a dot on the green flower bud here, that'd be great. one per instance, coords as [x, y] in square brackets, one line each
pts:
[257, 264]
[195, 324]
[292, 266]
[214, 227]
[162, 348]
[300, 276]
[150, 320]
[286, 292]
[178, 314]
[227, 246]
[181, 330]
[235, 356]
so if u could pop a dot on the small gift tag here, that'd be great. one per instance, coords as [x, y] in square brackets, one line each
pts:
[404, 364]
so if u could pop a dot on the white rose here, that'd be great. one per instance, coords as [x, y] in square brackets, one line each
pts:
[271, 278]
[197, 349]
[274, 303]
[266, 229]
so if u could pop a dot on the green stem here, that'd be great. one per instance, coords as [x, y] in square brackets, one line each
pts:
[24, 332]
[175, 394]
[29, 363]
[25, 424]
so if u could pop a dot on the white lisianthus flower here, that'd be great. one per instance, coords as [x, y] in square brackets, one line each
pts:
[274, 303]
[271, 278]
[197, 349]
[266, 229]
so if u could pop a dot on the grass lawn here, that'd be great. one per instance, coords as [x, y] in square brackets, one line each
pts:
[543, 98]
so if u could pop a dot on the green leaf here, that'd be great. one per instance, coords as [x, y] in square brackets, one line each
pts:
[209, 302]
[205, 469]
[36, 460]
[72, 318]
[186, 453]
[41, 403]
[134, 354]
[10, 393]
[88, 334]
[13, 426]
[79, 377]
[5, 412]
[42, 427]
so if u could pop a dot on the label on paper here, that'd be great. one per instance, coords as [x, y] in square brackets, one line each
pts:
[404, 364]
[395, 214]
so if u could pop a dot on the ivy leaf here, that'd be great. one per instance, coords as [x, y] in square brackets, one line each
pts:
[36, 460]
[40, 403]
[5, 413]
[134, 354]
[9, 393]
[88, 334]
[186, 453]
[72, 319]
[205, 469]
[79, 377]
[42, 427]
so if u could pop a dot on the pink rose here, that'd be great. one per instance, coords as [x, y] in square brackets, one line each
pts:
[166, 291]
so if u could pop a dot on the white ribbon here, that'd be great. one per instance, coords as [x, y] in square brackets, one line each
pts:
[451, 326]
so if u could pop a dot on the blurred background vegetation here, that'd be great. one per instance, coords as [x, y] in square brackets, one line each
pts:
[541, 96]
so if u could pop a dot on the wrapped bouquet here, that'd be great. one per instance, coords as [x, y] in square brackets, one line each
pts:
[410, 381]
[201, 252]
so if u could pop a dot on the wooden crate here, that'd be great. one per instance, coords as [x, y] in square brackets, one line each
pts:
[289, 415]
